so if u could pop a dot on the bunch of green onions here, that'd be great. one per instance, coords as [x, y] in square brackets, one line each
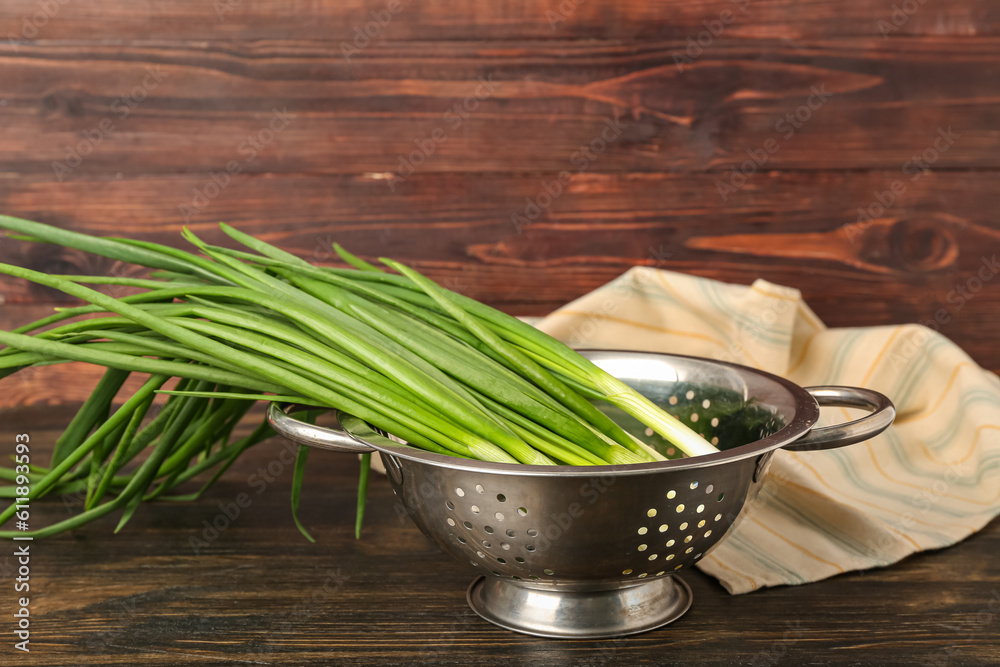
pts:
[443, 372]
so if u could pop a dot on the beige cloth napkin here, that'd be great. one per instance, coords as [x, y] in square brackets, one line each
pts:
[928, 482]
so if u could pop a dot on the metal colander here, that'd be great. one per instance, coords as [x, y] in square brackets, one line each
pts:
[592, 551]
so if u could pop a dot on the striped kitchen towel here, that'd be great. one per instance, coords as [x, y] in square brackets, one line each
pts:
[929, 481]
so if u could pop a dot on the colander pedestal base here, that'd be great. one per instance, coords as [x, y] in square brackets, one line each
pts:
[565, 613]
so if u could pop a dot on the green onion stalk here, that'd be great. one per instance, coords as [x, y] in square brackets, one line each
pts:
[216, 330]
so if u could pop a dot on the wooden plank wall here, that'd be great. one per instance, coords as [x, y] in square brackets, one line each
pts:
[527, 152]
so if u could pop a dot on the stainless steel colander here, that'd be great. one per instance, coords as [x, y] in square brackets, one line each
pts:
[592, 551]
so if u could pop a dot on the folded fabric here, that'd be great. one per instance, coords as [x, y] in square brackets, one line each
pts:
[928, 482]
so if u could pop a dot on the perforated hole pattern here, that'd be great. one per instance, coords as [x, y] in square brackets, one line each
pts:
[666, 531]
[514, 523]
[679, 519]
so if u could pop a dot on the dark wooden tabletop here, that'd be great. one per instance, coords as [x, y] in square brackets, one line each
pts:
[257, 593]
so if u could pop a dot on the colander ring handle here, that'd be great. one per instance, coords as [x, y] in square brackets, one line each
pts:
[314, 436]
[841, 435]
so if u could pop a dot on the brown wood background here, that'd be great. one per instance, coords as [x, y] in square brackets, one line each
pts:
[561, 71]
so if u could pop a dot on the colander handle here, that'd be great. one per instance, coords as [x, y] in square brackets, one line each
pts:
[841, 435]
[314, 436]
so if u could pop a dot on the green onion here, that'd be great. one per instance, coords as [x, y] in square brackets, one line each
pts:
[300, 469]
[443, 372]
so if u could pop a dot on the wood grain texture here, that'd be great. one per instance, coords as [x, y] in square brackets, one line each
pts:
[333, 21]
[260, 594]
[651, 196]
[882, 103]
[797, 229]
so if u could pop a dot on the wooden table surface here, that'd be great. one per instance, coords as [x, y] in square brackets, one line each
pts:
[257, 593]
